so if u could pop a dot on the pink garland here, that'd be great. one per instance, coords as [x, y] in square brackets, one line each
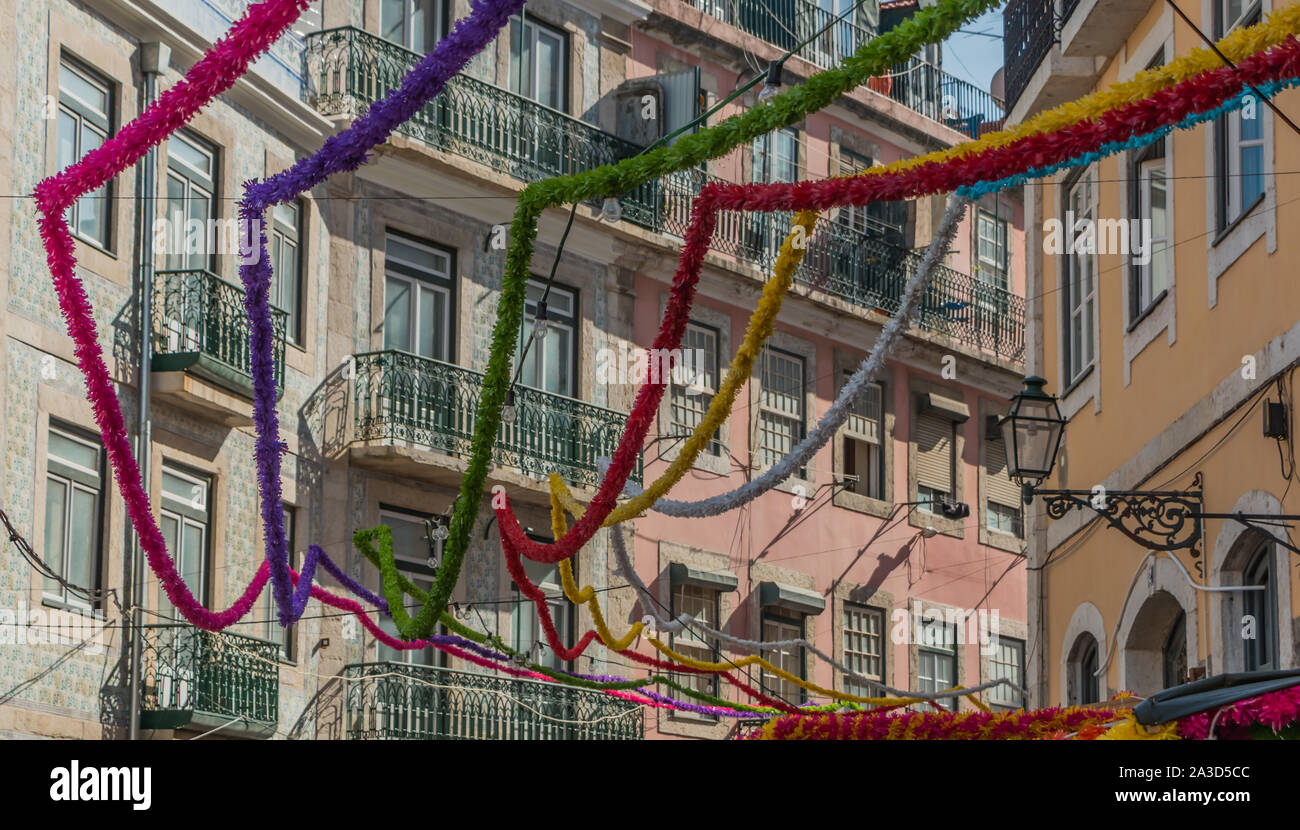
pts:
[1274, 710]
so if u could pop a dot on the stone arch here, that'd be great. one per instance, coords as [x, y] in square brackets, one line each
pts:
[1085, 620]
[1153, 607]
[1233, 548]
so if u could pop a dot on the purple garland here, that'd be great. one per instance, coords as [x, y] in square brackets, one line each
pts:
[340, 153]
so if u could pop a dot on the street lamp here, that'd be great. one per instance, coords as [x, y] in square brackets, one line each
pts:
[1031, 434]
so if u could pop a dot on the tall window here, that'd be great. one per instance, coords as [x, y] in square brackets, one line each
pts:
[704, 604]
[286, 265]
[1001, 495]
[781, 405]
[526, 622]
[776, 156]
[74, 481]
[993, 261]
[1151, 278]
[272, 630]
[936, 658]
[411, 553]
[1174, 653]
[786, 657]
[864, 457]
[864, 647]
[936, 451]
[1084, 684]
[85, 122]
[418, 297]
[191, 201]
[542, 72]
[1261, 606]
[1008, 663]
[882, 220]
[689, 401]
[552, 361]
[1080, 284]
[416, 24]
[186, 521]
[1240, 134]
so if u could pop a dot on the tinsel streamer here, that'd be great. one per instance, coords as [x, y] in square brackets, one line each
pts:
[1273, 711]
[339, 154]
[1039, 724]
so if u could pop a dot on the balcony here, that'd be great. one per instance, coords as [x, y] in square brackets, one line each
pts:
[400, 701]
[200, 329]
[401, 398]
[350, 69]
[916, 84]
[202, 680]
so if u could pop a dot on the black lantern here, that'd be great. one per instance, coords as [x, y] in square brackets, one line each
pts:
[1031, 434]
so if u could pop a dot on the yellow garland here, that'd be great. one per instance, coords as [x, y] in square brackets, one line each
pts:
[1239, 44]
[1131, 730]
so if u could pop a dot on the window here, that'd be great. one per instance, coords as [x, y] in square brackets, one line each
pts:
[787, 658]
[1001, 495]
[781, 405]
[526, 622]
[936, 446]
[552, 362]
[418, 297]
[936, 659]
[286, 266]
[1151, 277]
[85, 122]
[993, 261]
[1007, 663]
[542, 75]
[74, 480]
[690, 400]
[864, 647]
[864, 457]
[704, 605]
[416, 24]
[1084, 685]
[1261, 606]
[1081, 271]
[1240, 134]
[1174, 653]
[186, 528]
[880, 220]
[776, 156]
[272, 630]
[411, 553]
[191, 201]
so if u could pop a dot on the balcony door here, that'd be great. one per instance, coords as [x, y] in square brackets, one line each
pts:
[184, 518]
[539, 62]
[775, 159]
[545, 433]
[417, 25]
[539, 711]
[419, 304]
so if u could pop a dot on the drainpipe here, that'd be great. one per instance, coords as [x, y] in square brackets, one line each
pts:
[154, 58]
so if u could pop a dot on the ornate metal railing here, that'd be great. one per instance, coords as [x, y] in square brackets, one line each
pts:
[350, 68]
[188, 672]
[200, 325]
[411, 702]
[404, 397]
[1030, 27]
[916, 83]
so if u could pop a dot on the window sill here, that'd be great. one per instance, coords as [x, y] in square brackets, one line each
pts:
[63, 605]
[1078, 380]
[94, 246]
[1235, 223]
[1145, 313]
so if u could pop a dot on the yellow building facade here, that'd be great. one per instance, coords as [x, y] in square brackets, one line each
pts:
[1165, 357]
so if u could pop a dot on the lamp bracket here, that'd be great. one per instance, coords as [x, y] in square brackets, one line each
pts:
[1155, 519]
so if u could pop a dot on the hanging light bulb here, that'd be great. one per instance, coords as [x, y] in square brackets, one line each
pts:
[611, 211]
[540, 322]
[508, 411]
[772, 85]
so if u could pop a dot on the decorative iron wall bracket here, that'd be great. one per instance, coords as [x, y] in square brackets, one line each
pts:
[1155, 519]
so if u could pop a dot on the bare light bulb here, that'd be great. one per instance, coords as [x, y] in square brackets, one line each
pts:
[611, 211]
[508, 411]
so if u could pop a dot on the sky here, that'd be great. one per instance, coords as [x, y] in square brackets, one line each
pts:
[975, 58]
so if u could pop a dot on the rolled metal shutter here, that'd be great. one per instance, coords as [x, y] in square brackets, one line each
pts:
[998, 485]
[934, 452]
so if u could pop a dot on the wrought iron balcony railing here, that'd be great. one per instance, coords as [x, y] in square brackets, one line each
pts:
[1030, 28]
[429, 403]
[351, 68]
[397, 701]
[916, 83]
[200, 326]
[207, 679]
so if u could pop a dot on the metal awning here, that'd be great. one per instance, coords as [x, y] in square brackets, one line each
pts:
[791, 598]
[950, 408]
[1211, 693]
[682, 574]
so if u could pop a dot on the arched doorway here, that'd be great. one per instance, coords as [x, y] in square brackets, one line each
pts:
[1155, 651]
[1083, 684]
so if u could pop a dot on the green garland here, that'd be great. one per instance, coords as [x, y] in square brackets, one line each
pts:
[926, 27]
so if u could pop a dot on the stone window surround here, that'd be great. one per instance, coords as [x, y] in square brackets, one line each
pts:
[669, 450]
[760, 572]
[673, 722]
[1224, 247]
[843, 497]
[1014, 629]
[956, 528]
[914, 643]
[808, 351]
[846, 593]
[988, 536]
[1086, 619]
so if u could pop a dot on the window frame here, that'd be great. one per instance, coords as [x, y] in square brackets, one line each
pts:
[569, 320]
[569, 627]
[84, 114]
[273, 631]
[769, 411]
[533, 29]
[1014, 516]
[1264, 651]
[418, 570]
[282, 234]
[416, 278]
[849, 436]
[847, 608]
[1227, 133]
[798, 625]
[187, 515]
[1082, 310]
[679, 394]
[193, 179]
[435, 29]
[675, 641]
[74, 478]
[924, 648]
[1001, 270]
[996, 693]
